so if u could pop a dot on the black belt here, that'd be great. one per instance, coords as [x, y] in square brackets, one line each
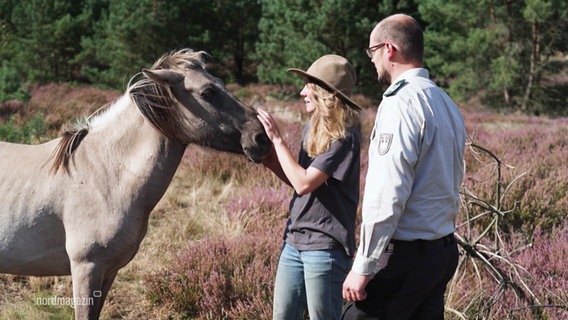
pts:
[422, 244]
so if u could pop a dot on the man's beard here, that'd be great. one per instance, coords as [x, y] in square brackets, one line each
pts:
[384, 78]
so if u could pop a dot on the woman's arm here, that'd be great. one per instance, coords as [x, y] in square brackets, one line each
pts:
[272, 163]
[302, 180]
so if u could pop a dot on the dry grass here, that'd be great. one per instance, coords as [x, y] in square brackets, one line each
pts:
[191, 208]
[199, 203]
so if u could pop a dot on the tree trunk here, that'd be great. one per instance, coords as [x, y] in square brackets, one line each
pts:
[534, 58]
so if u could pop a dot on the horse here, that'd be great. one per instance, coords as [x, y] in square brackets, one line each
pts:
[79, 204]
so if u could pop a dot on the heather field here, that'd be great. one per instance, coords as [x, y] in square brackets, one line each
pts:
[213, 240]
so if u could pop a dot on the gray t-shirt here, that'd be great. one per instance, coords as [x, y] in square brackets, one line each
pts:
[325, 218]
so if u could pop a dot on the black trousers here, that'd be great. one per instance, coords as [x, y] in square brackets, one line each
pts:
[412, 285]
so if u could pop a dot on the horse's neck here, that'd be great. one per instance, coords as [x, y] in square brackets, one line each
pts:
[141, 156]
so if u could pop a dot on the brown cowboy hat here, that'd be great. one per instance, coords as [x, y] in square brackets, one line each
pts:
[335, 74]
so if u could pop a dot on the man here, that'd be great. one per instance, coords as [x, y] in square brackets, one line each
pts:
[407, 253]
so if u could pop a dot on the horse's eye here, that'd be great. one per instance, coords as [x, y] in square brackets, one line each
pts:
[207, 94]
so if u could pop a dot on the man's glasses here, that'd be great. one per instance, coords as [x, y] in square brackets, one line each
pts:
[371, 50]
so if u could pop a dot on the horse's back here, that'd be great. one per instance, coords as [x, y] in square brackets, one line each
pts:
[25, 177]
[32, 236]
[25, 154]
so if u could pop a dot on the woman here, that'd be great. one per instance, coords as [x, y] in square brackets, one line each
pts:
[319, 239]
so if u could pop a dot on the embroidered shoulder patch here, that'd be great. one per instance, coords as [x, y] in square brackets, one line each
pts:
[385, 141]
[394, 88]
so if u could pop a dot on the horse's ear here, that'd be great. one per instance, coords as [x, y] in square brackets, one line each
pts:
[164, 76]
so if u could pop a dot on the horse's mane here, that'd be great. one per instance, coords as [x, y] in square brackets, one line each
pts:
[69, 142]
[154, 101]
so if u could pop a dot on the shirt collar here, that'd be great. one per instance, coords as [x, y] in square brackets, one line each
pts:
[401, 80]
[416, 72]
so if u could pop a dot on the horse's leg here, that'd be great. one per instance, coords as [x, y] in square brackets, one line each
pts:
[107, 283]
[88, 283]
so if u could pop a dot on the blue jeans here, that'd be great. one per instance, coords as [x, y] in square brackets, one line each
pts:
[310, 280]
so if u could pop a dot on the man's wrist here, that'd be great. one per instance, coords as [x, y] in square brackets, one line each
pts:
[364, 266]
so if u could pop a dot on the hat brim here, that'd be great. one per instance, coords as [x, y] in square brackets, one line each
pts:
[327, 86]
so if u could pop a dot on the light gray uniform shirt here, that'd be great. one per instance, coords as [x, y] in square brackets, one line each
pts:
[415, 168]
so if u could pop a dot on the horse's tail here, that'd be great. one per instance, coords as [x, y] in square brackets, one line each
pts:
[66, 147]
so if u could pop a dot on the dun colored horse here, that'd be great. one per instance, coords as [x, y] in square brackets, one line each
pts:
[80, 204]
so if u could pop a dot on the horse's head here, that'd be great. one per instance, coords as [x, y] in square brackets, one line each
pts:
[182, 100]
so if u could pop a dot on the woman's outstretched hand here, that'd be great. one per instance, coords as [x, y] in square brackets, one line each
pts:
[270, 126]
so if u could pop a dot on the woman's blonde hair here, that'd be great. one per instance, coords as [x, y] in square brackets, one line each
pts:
[329, 122]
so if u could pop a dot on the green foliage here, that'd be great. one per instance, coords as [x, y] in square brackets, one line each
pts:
[47, 37]
[296, 33]
[283, 41]
[457, 30]
[10, 86]
[123, 42]
[502, 50]
[509, 54]
[30, 132]
[106, 42]
[234, 29]
[131, 35]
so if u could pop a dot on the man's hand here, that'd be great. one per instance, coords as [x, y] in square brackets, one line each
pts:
[354, 286]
